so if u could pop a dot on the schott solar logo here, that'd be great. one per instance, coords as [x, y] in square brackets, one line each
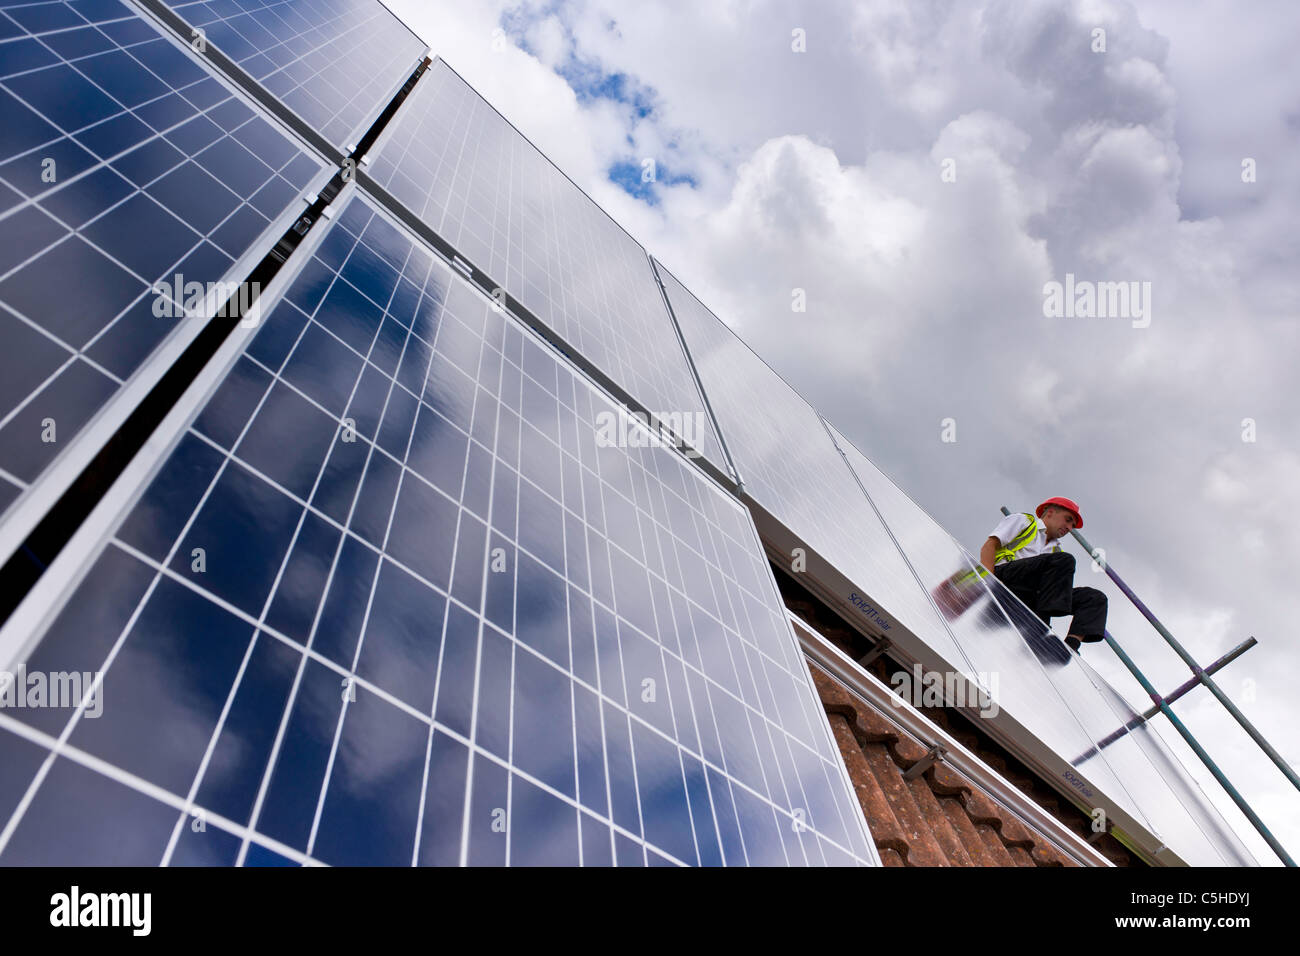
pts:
[949, 689]
[624, 429]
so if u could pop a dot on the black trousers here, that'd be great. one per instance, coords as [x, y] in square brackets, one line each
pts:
[1045, 583]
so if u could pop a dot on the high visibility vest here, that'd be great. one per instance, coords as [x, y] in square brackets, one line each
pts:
[1008, 551]
[1020, 541]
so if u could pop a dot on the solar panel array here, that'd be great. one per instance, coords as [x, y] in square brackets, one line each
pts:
[456, 163]
[407, 587]
[123, 163]
[335, 63]
[390, 600]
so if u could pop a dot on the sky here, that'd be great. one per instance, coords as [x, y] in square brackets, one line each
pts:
[922, 170]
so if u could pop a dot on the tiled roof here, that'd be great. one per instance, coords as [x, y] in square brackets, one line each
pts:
[940, 818]
[937, 819]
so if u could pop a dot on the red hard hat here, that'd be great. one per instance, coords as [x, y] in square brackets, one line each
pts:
[1065, 503]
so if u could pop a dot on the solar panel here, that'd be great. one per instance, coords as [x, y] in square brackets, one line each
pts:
[1060, 699]
[125, 166]
[791, 468]
[389, 600]
[334, 63]
[471, 178]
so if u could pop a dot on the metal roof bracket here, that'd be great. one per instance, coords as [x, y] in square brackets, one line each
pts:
[935, 756]
[882, 646]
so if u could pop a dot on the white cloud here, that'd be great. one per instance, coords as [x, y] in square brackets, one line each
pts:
[548, 37]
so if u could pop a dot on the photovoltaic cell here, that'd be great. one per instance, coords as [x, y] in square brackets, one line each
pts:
[470, 176]
[123, 162]
[388, 600]
[335, 63]
[790, 466]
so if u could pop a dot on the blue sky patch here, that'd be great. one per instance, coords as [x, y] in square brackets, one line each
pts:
[627, 175]
[591, 83]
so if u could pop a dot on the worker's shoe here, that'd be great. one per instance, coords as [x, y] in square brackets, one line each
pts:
[1072, 643]
[1046, 646]
[1048, 649]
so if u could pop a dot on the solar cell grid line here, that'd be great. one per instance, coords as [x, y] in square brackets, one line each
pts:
[93, 772]
[765, 774]
[627, 723]
[357, 653]
[123, 163]
[661, 627]
[452, 165]
[588, 846]
[280, 595]
[331, 66]
[337, 553]
[462, 842]
[184, 817]
[605, 781]
[370, 600]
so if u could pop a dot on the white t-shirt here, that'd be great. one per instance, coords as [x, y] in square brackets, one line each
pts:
[1011, 526]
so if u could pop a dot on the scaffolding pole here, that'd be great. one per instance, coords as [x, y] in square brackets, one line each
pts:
[1210, 765]
[1187, 735]
[1182, 690]
[1190, 661]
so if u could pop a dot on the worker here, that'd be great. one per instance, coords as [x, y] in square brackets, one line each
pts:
[1024, 554]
